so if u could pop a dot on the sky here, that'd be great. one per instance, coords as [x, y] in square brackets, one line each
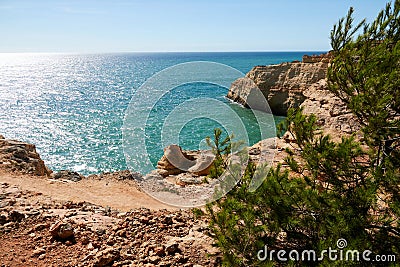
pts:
[90, 26]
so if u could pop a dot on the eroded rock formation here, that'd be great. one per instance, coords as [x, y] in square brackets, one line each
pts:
[282, 85]
[176, 161]
[21, 156]
[297, 84]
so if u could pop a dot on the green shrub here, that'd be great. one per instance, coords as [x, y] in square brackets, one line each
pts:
[330, 190]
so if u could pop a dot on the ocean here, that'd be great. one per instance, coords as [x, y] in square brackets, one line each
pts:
[72, 106]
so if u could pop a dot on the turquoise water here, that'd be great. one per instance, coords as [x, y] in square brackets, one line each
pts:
[72, 106]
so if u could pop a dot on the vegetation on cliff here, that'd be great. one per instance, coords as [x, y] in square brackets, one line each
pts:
[329, 191]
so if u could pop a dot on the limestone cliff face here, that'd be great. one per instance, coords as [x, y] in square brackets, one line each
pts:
[282, 85]
[297, 84]
[333, 116]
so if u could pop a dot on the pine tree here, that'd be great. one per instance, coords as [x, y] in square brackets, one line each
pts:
[331, 190]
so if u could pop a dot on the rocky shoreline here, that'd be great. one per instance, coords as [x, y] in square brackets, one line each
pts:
[40, 226]
[37, 229]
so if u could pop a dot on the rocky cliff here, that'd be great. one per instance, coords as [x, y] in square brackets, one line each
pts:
[283, 85]
[21, 156]
[296, 84]
[333, 116]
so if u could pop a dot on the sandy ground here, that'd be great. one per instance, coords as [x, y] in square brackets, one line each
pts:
[120, 195]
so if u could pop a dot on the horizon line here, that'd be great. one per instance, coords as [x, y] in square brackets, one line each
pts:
[148, 52]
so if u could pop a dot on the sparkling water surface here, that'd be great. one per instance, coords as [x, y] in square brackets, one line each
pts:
[72, 106]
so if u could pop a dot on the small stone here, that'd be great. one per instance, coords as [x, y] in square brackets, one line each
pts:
[62, 230]
[159, 251]
[111, 241]
[105, 257]
[121, 214]
[167, 220]
[16, 216]
[144, 220]
[9, 224]
[180, 258]
[65, 231]
[100, 231]
[121, 233]
[85, 240]
[172, 247]
[39, 227]
[154, 259]
[3, 219]
[90, 246]
[37, 252]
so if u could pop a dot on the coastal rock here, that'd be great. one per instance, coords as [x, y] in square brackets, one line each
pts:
[68, 175]
[245, 92]
[325, 58]
[176, 161]
[22, 157]
[263, 151]
[203, 163]
[282, 85]
[297, 84]
[333, 116]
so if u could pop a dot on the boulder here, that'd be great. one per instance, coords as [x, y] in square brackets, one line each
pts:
[176, 161]
[203, 159]
[68, 175]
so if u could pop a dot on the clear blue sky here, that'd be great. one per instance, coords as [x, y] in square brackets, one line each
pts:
[173, 25]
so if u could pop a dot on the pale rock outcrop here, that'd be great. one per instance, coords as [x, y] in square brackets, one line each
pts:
[333, 116]
[325, 58]
[176, 161]
[297, 84]
[263, 151]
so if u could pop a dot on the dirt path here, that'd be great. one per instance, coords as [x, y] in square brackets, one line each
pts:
[121, 195]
